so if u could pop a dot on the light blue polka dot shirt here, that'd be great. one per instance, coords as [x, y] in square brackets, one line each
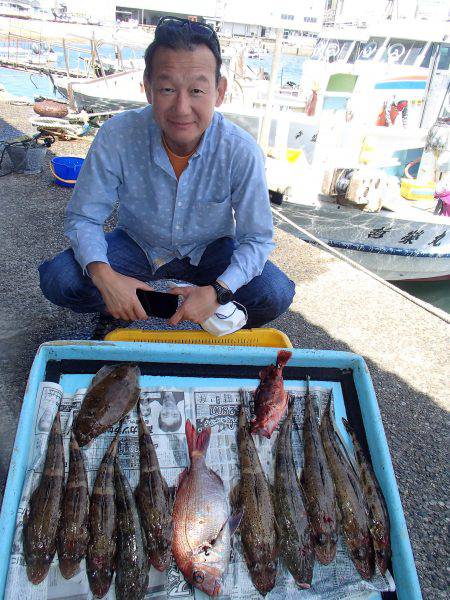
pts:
[222, 192]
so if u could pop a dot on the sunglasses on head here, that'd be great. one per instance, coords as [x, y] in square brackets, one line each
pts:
[198, 28]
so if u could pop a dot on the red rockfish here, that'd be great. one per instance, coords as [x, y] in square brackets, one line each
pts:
[270, 398]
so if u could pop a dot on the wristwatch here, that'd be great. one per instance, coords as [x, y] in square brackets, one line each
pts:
[224, 295]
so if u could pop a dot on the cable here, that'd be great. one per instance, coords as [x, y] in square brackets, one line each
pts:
[428, 307]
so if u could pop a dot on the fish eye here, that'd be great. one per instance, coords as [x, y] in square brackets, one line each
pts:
[360, 553]
[198, 576]
[271, 566]
[333, 537]
[321, 539]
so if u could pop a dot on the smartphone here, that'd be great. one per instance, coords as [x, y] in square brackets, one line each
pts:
[158, 304]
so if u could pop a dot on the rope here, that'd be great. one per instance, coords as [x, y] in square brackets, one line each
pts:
[428, 307]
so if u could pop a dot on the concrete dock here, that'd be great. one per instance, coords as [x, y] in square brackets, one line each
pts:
[336, 307]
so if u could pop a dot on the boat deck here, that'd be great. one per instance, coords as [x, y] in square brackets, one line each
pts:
[336, 308]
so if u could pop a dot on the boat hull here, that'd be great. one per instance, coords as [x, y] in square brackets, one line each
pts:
[396, 248]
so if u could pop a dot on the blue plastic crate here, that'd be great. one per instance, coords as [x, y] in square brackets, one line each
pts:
[405, 574]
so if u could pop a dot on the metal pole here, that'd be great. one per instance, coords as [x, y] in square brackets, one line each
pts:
[66, 58]
[432, 73]
[267, 119]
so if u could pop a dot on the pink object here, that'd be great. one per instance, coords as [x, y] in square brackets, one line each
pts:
[445, 199]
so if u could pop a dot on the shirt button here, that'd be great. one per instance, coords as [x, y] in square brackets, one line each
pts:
[179, 203]
[177, 227]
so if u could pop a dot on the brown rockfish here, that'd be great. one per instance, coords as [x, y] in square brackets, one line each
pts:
[101, 552]
[294, 535]
[270, 397]
[202, 526]
[153, 500]
[378, 514]
[40, 524]
[132, 562]
[318, 488]
[353, 514]
[73, 534]
[257, 527]
[113, 392]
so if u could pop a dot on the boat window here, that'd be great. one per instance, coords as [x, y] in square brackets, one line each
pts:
[370, 48]
[319, 49]
[331, 50]
[444, 58]
[345, 46]
[398, 49]
[429, 54]
[354, 53]
[414, 52]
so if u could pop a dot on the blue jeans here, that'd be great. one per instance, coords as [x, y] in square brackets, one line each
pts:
[62, 281]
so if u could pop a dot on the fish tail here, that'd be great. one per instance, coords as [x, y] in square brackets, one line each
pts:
[347, 426]
[282, 357]
[197, 442]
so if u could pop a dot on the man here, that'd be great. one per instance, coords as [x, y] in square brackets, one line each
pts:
[193, 200]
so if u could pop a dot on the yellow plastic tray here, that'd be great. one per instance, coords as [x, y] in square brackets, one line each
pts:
[268, 338]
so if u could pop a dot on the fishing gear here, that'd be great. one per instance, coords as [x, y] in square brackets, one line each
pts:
[26, 153]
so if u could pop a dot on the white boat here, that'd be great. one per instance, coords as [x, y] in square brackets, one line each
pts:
[408, 245]
[394, 60]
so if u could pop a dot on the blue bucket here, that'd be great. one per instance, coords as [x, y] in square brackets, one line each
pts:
[65, 169]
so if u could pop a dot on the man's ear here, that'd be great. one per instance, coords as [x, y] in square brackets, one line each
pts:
[148, 90]
[221, 89]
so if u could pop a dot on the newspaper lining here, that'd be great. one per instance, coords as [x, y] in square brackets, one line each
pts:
[165, 412]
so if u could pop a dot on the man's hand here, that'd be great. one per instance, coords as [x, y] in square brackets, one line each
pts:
[118, 292]
[199, 303]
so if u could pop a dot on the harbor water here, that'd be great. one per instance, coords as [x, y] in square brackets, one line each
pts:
[31, 85]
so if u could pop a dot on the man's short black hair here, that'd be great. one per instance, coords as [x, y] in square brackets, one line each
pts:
[182, 36]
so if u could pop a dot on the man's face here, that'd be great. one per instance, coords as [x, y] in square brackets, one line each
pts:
[183, 94]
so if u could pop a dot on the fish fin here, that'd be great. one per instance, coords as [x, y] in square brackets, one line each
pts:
[197, 442]
[181, 478]
[265, 371]
[347, 426]
[235, 496]
[234, 520]
[282, 357]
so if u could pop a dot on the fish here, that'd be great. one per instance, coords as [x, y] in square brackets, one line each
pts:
[270, 397]
[153, 501]
[113, 392]
[202, 525]
[353, 515]
[101, 550]
[253, 496]
[378, 514]
[40, 525]
[318, 488]
[132, 561]
[73, 534]
[292, 525]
